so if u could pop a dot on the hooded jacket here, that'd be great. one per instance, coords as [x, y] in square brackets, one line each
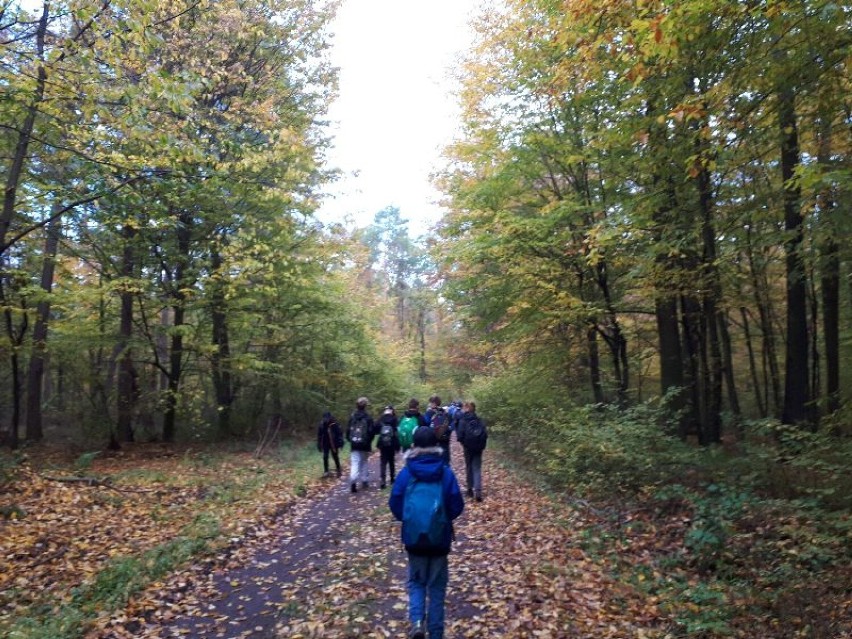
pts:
[426, 464]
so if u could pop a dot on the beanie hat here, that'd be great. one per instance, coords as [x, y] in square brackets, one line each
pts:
[424, 437]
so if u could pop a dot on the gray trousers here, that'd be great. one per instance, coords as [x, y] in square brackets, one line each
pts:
[473, 470]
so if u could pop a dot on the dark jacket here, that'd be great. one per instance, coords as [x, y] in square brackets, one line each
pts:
[329, 435]
[371, 431]
[394, 422]
[464, 420]
[426, 464]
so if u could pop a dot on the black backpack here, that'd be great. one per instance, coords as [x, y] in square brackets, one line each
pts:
[359, 432]
[475, 435]
[387, 434]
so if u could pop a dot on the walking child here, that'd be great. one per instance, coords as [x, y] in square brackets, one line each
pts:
[329, 441]
[473, 436]
[426, 498]
[360, 432]
[388, 444]
[410, 422]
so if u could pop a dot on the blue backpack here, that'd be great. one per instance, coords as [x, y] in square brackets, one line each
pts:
[424, 516]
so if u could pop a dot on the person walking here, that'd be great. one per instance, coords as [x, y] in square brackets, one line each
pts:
[440, 422]
[329, 441]
[360, 432]
[410, 422]
[388, 444]
[434, 405]
[473, 436]
[426, 498]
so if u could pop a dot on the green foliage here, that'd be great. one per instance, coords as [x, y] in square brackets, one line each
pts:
[10, 462]
[590, 449]
[85, 460]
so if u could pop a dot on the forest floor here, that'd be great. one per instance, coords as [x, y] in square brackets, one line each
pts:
[198, 546]
[333, 566]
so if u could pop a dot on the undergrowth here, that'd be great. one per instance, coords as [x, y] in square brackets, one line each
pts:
[748, 538]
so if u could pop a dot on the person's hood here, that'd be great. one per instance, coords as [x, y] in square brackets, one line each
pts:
[426, 464]
[412, 413]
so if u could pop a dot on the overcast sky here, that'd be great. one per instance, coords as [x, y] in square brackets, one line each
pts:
[395, 109]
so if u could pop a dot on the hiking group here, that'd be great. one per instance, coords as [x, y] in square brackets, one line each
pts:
[425, 495]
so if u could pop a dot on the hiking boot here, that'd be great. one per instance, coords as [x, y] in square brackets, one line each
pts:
[339, 474]
[383, 486]
[417, 631]
[354, 487]
[470, 492]
[364, 485]
[478, 496]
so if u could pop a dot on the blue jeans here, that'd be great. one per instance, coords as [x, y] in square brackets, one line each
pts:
[428, 574]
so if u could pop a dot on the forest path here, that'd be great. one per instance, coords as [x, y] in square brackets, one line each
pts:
[333, 567]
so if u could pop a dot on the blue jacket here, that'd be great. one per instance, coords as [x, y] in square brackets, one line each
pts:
[426, 464]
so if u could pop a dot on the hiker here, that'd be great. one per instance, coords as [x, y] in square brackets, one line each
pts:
[426, 498]
[434, 405]
[360, 432]
[388, 444]
[329, 440]
[473, 437]
[455, 415]
[411, 420]
[441, 423]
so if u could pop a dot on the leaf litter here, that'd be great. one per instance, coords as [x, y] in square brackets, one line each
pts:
[333, 567]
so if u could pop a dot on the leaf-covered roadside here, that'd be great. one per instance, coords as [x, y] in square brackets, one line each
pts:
[517, 570]
[72, 550]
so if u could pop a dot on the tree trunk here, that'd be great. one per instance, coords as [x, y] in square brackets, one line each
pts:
[796, 381]
[755, 380]
[594, 363]
[693, 347]
[184, 238]
[35, 375]
[421, 333]
[671, 346]
[764, 310]
[615, 338]
[830, 274]
[712, 378]
[19, 156]
[831, 322]
[221, 360]
[15, 418]
[728, 367]
[126, 371]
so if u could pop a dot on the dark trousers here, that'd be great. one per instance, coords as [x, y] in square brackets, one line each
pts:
[388, 458]
[445, 447]
[334, 455]
[473, 472]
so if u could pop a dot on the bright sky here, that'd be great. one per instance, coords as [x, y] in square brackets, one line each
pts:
[395, 109]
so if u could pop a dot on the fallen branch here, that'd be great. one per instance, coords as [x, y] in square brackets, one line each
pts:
[270, 436]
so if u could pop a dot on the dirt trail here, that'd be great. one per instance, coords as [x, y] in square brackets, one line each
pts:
[333, 567]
